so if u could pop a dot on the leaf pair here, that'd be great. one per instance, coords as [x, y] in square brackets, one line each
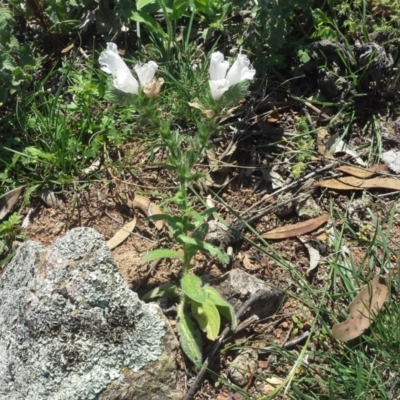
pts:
[207, 306]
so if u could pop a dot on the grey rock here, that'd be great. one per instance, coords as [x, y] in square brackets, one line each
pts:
[236, 286]
[71, 329]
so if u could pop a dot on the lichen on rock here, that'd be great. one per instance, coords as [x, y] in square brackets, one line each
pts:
[69, 325]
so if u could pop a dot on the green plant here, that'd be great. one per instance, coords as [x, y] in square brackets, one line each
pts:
[198, 302]
[64, 131]
[17, 63]
[9, 231]
[279, 23]
[304, 145]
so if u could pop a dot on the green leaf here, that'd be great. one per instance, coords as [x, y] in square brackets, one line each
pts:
[200, 232]
[161, 253]
[224, 307]
[164, 290]
[204, 246]
[207, 316]
[150, 22]
[143, 3]
[192, 287]
[189, 337]
[179, 7]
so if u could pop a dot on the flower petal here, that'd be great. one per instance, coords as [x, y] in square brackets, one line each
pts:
[110, 60]
[218, 66]
[218, 88]
[146, 72]
[125, 82]
[112, 63]
[240, 70]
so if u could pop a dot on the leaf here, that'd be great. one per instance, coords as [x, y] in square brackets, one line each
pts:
[67, 49]
[336, 145]
[189, 337]
[121, 235]
[192, 287]
[145, 205]
[206, 247]
[207, 316]
[322, 135]
[353, 183]
[162, 253]
[223, 306]
[149, 21]
[165, 290]
[362, 310]
[143, 3]
[207, 113]
[298, 229]
[49, 198]
[8, 201]
[356, 171]
[314, 256]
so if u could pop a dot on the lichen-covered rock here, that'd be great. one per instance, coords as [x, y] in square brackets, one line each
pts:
[71, 329]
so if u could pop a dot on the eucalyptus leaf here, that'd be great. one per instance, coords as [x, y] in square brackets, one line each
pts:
[207, 316]
[192, 287]
[189, 337]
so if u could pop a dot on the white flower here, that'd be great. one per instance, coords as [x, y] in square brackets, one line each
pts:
[220, 81]
[112, 63]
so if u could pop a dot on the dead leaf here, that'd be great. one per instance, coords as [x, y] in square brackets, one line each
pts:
[272, 383]
[379, 167]
[49, 198]
[249, 264]
[356, 171]
[353, 183]
[362, 310]
[217, 179]
[8, 201]
[146, 206]
[92, 168]
[196, 104]
[336, 145]
[67, 49]
[322, 136]
[313, 254]
[277, 181]
[122, 234]
[152, 89]
[298, 229]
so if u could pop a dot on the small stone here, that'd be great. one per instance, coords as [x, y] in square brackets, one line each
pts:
[243, 367]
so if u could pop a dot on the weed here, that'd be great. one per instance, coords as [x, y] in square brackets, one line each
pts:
[304, 145]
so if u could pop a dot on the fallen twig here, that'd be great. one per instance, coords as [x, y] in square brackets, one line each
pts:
[287, 345]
